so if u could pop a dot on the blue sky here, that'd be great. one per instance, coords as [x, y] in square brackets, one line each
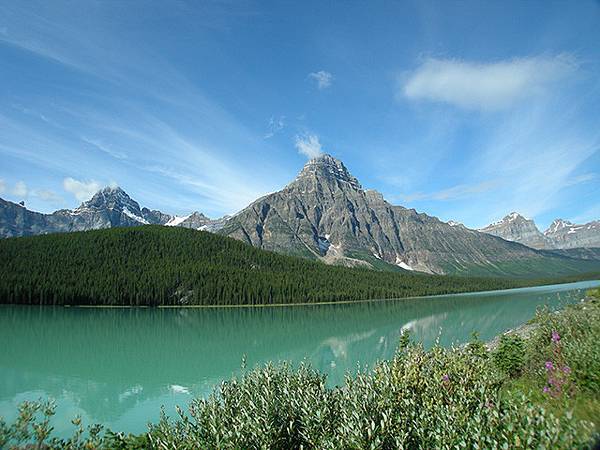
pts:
[462, 110]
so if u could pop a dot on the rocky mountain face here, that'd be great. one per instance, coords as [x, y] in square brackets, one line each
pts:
[326, 214]
[110, 207]
[514, 227]
[197, 221]
[564, 234]
[561, 234]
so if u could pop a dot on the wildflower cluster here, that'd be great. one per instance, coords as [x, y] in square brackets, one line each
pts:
[558, 373]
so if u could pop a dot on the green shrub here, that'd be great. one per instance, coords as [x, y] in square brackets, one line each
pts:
[579, 330]
[421, 399]
[510, 354]
[594, 293]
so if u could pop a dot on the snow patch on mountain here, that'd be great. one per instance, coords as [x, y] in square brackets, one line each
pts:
[402, 264]
[176, 220]
[134, 216]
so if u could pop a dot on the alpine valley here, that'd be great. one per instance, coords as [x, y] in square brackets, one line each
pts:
[325, 214]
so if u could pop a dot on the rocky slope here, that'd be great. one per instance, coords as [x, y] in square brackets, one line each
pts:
[108, 208]
[326, 214]
[564, 234]
[514, 227]
[561, 234]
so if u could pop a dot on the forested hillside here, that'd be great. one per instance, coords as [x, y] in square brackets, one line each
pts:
[153, 265]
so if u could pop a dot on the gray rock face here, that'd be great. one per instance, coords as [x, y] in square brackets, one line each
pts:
[564, 234]
[326, 214]
[514, 227]
[560, 235]
[16, 220]
[198, 221]
[110, 207]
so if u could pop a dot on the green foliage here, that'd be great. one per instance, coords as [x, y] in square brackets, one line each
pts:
[476, 346]
[510, 354]
[594, 293]
[579, 330]
[155, 265]
[576, 346]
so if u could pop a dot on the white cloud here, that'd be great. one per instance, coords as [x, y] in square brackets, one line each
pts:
[484, 86]
[47, 195]
[276, 124]
[322, 78]
[20, 189]
[82, 190]
[309, 145]
[2, 186]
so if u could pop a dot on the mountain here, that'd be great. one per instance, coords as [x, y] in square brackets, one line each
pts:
[108, 208]
[561, 234]
[564, 234]
[197, 221]
[157, 265]
[326, 214]
[514, 227]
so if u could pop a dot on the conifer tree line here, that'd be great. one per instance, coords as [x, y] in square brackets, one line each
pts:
[154, 265]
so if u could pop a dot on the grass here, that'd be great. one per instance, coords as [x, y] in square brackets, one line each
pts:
[541, 392]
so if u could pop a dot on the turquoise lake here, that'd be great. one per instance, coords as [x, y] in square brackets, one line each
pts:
[117, 366]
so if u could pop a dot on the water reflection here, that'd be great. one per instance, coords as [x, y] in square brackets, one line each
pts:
[118, 366]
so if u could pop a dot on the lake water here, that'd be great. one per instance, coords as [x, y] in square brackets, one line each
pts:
[118, 366]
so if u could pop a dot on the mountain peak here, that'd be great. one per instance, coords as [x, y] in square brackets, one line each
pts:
[506, 220]
[329, 169]
[111, 197]
[112, 189]
[556, 225]
[514, 216]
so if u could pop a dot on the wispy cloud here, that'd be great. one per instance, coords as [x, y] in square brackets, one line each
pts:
[538, 153]
[98, 144]
[308, 145]
[82, 190]
[322, 78]
[20, 189]
[484, 86]
[460, 191]
[583, 178]
[47, 195]
[588, 215]
[2, 186]
[275, 125]
[143, 111]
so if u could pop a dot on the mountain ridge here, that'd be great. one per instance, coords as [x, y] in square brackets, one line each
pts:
[108, 208]
[325, 213]
[560, 235]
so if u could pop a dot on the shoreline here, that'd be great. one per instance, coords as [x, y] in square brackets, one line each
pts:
[326, 303]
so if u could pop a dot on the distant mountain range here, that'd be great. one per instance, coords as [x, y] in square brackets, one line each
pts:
[325, 214]
[561, 234]
[108, 208]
